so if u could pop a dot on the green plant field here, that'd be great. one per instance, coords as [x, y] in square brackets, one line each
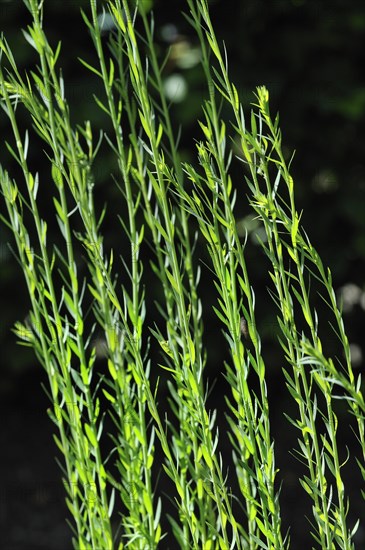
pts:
[93, 324]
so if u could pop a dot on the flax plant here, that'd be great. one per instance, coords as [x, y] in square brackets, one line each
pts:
[113, 495]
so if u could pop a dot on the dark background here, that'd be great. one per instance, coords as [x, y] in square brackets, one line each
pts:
[310, 55]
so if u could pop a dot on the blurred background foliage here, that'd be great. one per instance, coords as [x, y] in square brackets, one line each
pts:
[310, 55]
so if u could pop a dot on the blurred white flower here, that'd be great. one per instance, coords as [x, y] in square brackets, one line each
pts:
[175, 88]
[350, 295]
[356, 355]
[106, 22]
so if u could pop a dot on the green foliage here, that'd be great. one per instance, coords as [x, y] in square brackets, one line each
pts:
[171, 204]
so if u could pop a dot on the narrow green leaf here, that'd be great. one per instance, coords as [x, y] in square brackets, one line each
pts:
[144, 124]
[172, 280]
[90, 67]
[90, 435]
[147, 502]
[60, 211]
[118, 16]
[207, 457]
[108, 396]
